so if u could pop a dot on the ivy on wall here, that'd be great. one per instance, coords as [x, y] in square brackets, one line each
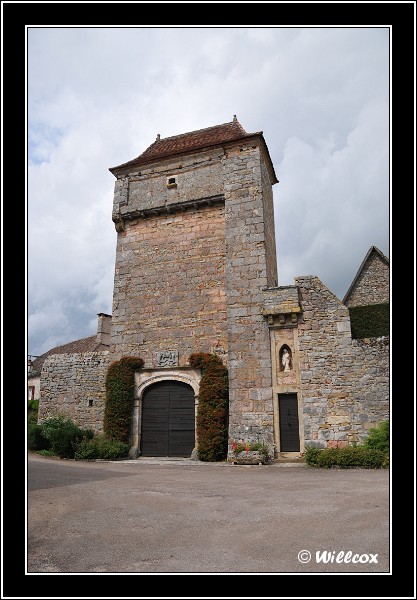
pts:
[213, 407]
[120, 384]
[372, 320]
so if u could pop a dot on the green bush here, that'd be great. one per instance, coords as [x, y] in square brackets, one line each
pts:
[46, 453]
[347, 457]
[378, 437]
[120, 385]
[36, 437]
[32, 412]
[213, 407]
[311, 454]
[33, 405]
[32, 418]
[100, 447]
[64, 436]
[372, 320]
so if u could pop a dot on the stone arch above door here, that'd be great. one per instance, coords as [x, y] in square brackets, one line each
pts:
[145, 378]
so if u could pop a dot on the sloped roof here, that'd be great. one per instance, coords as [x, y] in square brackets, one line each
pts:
[88, 344]
[190, 142]
[372, 250]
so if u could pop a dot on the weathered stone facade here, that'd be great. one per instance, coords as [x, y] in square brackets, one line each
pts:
[249, 269]
[191, 263]
[196, 272]
[371, 283]
[169, 289]
[73, 385]
[342, 385]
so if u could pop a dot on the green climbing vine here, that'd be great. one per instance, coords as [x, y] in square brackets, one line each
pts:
[213, 407]
[120, 385]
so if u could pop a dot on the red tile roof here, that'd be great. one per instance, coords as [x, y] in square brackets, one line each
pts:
[188, 142]
[88, 344]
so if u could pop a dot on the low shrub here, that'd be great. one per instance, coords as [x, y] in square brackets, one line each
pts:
[100, 447]
[46, 453]
[311, 454]
[33, 406]
[32, 418]
[64, 436]
[378, 438]
[36, 437]
[359, 456]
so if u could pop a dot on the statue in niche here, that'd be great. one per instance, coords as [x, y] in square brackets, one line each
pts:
[285, 360]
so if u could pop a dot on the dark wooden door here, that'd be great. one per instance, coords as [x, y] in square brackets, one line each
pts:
[288, 423]
[168, 419]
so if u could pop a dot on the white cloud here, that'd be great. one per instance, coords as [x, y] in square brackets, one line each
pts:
[336, 201]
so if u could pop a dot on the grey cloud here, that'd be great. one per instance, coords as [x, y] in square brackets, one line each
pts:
[98, 97]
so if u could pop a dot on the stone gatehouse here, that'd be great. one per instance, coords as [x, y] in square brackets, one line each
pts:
[196, 272]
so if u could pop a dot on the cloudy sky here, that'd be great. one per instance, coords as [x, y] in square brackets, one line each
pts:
[97, 97]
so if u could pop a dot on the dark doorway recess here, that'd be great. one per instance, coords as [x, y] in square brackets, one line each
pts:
[288, 423]
[168, 419]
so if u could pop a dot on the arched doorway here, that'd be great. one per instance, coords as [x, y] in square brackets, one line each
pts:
[168, 419]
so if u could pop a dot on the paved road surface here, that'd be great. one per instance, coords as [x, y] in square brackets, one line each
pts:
[179, 516]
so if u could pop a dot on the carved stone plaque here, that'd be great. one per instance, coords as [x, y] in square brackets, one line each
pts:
[167, 359]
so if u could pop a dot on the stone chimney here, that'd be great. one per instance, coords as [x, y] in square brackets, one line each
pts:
[103, 329]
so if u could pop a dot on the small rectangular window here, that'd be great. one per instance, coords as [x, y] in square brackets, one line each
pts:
[172, 182]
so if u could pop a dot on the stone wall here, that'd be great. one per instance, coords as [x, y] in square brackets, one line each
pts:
[169, 287]
[74, 385]
[344, 382]
[269, 225]
[372, 286]
[197, 176]
[251, 411]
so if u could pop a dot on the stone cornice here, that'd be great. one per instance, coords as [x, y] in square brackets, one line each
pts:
[120, 219]
[282, 307]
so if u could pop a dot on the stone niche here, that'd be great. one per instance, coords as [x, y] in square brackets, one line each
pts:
[286, 363]
[285, 360]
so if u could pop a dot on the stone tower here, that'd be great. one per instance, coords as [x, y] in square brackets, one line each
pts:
[195, 250]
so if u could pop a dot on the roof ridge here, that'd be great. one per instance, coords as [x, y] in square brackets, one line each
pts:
[89, 337]
[199, 131]
[378, 251]
[190, 142]
[51, 350]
